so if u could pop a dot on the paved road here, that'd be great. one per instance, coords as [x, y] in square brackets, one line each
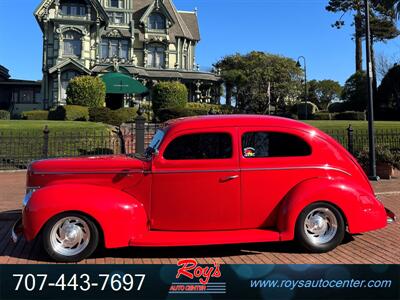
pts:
[379, 247]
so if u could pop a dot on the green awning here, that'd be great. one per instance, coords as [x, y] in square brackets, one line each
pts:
[118, 83]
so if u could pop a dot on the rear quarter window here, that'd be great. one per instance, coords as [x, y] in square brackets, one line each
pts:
[273, 144]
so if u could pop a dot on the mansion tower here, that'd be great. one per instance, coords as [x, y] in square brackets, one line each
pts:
[149, 40]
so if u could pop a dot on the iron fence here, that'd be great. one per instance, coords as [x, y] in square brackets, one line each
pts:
[18, 149]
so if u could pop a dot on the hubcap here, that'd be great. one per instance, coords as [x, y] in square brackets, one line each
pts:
[70, 236]
[320, 226]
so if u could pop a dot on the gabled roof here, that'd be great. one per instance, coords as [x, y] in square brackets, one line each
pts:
[192, 23]
[180, 28]
[70, 61]
[45, 4]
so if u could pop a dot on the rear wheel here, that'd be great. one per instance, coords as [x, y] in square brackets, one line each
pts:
[320, 227]
[70, 237]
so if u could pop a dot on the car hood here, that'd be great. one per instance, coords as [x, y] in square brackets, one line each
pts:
[99, 164]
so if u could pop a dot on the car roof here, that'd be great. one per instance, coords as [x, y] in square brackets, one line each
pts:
[236, 121]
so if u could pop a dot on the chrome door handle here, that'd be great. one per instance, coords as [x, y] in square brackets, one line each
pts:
[228, 178]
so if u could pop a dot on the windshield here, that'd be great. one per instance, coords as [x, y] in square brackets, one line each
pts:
[155, 142]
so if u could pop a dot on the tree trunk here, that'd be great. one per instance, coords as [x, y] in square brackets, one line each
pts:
[359, 40]
[228, 87]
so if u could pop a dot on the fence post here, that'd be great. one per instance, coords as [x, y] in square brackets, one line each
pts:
[46, 132]
[139, 122]
[350, 139]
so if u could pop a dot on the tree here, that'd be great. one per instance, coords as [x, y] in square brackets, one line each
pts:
[388, 100]
[258, 81]
[168, 95]
[86, 91]
[324, 92]
[355, 92]
[383, 26]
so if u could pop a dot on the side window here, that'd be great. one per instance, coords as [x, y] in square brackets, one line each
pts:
[273, 144]
[200, 146]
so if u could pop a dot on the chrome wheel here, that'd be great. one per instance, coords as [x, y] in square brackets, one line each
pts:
[70, 236]
[320, 226]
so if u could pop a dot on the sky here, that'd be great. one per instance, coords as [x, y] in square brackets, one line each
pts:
[291, 28]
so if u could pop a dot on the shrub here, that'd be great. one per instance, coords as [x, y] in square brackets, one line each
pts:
[322, 116]
[86, 91]
[301, 109]
[35, 115]
[112, 117]
[169, 95]
[70, 113]
[350, 115]
[4, 115]
[174, 113]
[337, 107]
[287, 115]
[218, 109]
[383, 155]
[99, 114]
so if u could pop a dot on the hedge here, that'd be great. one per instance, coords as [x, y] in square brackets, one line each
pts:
[112, 117]
[169, 95]
[350, 115]
[35, 115]
[70, 113]
[86, 91]
[4, 115]
[322, 116]
[219, 109]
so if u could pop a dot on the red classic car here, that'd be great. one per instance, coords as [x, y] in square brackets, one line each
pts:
[204, 180]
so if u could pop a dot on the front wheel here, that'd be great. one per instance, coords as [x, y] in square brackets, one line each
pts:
[70, 237]
[320, 227]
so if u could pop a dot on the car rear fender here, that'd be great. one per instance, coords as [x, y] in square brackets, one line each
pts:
[341, 193]
[118, 214]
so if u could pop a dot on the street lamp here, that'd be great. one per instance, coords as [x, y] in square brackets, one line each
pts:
[305, 82]
[371, 129]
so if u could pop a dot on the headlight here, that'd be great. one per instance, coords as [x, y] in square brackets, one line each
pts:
[28, 195]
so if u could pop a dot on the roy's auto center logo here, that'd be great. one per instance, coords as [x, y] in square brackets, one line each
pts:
[195, 279]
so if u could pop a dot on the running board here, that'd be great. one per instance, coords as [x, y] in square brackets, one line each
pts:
[198, 238]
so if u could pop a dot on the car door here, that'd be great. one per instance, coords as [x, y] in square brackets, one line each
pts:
[272, 160]
[196, 182]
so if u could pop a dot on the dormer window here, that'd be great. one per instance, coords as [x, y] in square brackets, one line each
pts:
[116, 3]
[156, 22]
[73, 9]
[116, 17]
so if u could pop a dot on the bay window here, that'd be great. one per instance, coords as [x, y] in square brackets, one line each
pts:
[72, 44]
[114, 48]
[156, 56]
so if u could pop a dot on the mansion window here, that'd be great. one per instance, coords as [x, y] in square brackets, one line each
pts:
[156, 22]
[114, 48]
[73, 10]
[65, 79]
[72, 43]
[155, 57]
[116, 3]
[116, 18]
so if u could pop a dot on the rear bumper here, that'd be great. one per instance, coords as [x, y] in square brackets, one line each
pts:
[390, 216]
[16, 231]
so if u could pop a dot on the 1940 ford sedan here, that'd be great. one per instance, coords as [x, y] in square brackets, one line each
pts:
[204, 180]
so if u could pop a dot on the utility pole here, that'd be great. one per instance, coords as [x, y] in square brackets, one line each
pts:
[371, 129]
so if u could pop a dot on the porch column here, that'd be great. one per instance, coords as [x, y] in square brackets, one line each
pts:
[58, 87]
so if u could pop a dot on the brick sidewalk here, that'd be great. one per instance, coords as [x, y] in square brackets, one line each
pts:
[378, 247]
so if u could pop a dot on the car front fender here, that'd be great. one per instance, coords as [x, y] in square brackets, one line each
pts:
[342, 193]
[118, 214]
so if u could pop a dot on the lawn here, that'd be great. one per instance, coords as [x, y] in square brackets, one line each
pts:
[54, 126]
[357, 125]
[22, 141]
